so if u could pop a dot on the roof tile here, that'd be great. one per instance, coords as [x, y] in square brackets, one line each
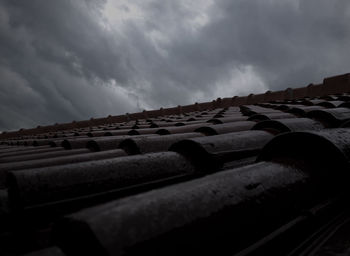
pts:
[268, 177]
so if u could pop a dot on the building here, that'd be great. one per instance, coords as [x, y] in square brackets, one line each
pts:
[263, 174]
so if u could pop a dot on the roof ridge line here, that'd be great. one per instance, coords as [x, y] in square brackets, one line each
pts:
[330, 85]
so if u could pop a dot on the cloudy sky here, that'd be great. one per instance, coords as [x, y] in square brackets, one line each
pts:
[71, 60]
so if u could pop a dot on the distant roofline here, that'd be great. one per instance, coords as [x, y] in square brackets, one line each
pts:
[331, 85]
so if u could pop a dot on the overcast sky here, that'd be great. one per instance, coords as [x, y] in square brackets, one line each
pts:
[65, 60]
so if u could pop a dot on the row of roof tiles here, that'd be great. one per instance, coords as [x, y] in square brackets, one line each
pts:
[152, 126]
[330, 86]
[168, 189]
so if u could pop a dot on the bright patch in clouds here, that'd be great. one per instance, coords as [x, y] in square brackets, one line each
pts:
[119, 12]
[242, 81]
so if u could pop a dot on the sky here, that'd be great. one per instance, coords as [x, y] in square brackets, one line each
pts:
[72, 60]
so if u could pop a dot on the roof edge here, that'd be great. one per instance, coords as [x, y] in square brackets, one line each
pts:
[331, 85]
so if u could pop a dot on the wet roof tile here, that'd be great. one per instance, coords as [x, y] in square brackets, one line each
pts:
[191, 178]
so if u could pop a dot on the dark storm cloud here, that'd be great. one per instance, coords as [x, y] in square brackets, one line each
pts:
[56, 64]
[288, 43]
[65, 60]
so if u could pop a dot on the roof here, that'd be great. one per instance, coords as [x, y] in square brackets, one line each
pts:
[262, 174]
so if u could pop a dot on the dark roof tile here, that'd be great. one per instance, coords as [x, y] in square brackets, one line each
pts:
[225, 128]
[75, 143]
[218, 203]
[142, 145]
[211, 153]
[331, 104]
[227, 119]
[29, 151]
[112, 142]
[146, 131]
[108, 133]
[60, 160]
[328, 149]
[219, 208]
[331, 117]
[179, 129]
[35, 187]
[288, 125]
[11, 149]
[185, 193]
[41, 155]
[269, 116]
[302, 111]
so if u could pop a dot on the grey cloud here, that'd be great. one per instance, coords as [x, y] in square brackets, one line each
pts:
[56, 64]
[290, 43]
[62, 61]
[287, 44]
